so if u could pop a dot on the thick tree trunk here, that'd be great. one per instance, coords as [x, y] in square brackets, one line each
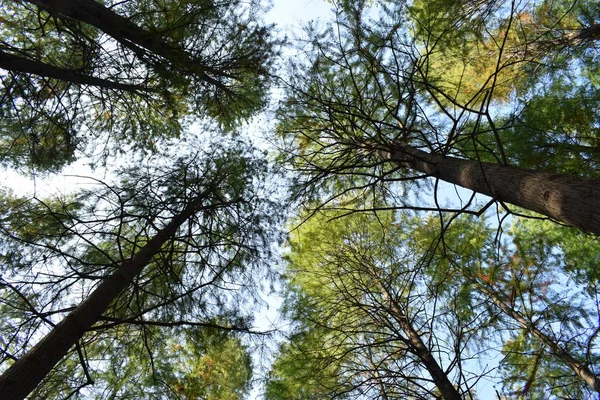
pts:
[580, 369]
[574, 38]
[568, 199]
[25, 374]
[571, 39]
[129, 34]
[438, 375]
[15, 63]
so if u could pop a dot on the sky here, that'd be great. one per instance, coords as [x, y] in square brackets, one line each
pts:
[292, 14]
[289, 16]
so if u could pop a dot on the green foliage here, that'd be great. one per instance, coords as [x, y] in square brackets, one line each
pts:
[191, 363]
[529, 287]
[347, 97]
[529, 372]
[458, 56]
[151, 363]
[578, 253]
[190, 60]
[457, 286]
[558, 133]
[355, 282]
[511, 83]
[555, 130]
[496, 81]
[304, 370]
[475, 52]
[173, 331]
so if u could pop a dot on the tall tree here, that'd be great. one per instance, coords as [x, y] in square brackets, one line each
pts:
[370, 115]
[369, 319]
[545, 319]
[554, 132]
[466, 295]
[185, 362]
[164, 248]
[128, 72]
[478, 50]
[362, 113]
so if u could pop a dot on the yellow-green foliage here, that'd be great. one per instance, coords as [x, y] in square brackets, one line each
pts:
[475, 50]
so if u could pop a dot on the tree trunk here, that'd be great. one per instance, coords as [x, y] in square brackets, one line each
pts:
[25, 374]
[568, 199]
[120, 28]
[438, 375]
[577, 37]
[580, 369]
[15, 63]
[129, 34]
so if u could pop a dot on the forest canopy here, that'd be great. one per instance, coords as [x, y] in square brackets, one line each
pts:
[419, 181]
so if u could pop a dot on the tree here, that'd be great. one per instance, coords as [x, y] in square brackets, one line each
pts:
[363, 113]
[478, 50]
[546, 311]
[164, 248]
[128, 73]
[370, 113]
[554, 132]
[186, 362]
[369, 322]
[537, 58]
[465, 294]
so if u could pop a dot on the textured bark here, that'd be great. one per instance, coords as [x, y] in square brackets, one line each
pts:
[580, 369]
[25, 374]
[570, 39]
[120, 28]
[568, 199]
[574, 38]
[15, 63]
[586, 33]
[439, 377]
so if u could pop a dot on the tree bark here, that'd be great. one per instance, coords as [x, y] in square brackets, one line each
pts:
[568, 199]
[15, 63]
[26, 373]
[574, 38]
[120, 28]
[438, 375]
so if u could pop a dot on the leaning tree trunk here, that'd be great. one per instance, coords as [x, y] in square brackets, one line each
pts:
[577, 37]
[568, 199]
[25, 374]
[129, 35]
[120, 28]
[418, 347]
[15, 63]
